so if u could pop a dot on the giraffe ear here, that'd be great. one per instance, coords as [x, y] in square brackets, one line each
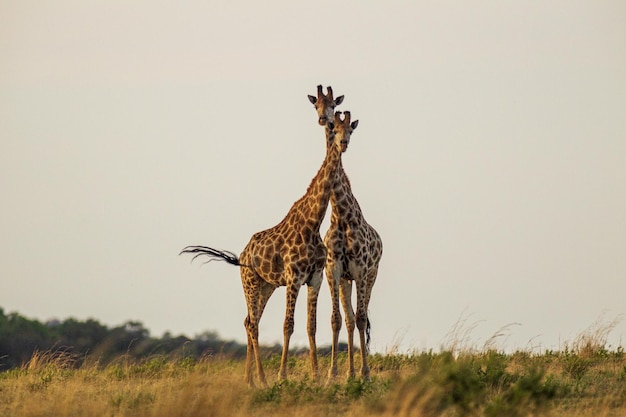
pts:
[354, 124]
[338, 100]
[312, 99]
[330, 125]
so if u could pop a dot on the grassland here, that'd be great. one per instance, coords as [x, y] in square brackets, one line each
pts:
[585, 380]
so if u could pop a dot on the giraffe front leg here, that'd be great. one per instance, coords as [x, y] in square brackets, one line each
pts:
[346, 301]
[313, 292]
[362, 323]
[292, 295]
[332, 276]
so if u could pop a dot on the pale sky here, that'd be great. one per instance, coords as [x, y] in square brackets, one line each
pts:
[490, 156]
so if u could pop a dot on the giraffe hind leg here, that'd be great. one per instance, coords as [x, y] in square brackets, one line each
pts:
[252, 290]
[249, 354]
[364, 292]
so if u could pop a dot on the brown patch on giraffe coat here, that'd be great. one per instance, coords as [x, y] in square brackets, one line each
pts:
[265, 267]
[301, 251]
[278, 266]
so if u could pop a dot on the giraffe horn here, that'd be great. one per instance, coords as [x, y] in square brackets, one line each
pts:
[337, 118]
[320, 92]
[346, 119]
[329, 92]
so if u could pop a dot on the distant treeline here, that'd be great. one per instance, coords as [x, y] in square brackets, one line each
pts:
[20, 337]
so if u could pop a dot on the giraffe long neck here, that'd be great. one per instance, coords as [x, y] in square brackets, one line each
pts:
[313, 205]
[341, 197]
[344, 204]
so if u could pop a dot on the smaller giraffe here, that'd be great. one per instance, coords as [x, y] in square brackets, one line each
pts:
[289, 254]
[354, 252]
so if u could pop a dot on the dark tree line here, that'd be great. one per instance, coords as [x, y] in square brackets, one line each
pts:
[20, 337]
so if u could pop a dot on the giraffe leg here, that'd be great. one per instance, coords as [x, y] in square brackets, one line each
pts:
[252, 328]
[252, 292]
[292, 295]
[313, 292]
[249, 353]
[364, 292]
[332, 276]
[361, 324]
[266, 292]
[346, 299]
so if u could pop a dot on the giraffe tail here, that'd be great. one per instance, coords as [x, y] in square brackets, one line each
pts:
[368, 330]
[212, 254]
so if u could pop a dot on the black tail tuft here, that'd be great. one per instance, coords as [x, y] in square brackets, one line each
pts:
[368, 329]
[212, 254]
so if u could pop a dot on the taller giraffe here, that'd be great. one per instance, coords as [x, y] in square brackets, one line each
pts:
[289, 254]
[354, 252]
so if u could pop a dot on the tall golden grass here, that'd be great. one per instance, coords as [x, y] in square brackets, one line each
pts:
[585, 380]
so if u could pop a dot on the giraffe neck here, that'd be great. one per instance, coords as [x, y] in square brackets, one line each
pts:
[311, 208]
[342, 199]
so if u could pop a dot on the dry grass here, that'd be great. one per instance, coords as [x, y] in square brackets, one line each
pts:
[156, 387]
[589, 383]
[585, 378]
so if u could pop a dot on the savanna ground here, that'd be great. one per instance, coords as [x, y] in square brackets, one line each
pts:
[585, 378]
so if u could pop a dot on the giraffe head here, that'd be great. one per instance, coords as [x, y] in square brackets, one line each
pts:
[342, 129]
[325, 104]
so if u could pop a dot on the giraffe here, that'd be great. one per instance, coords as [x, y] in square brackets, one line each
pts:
[289, 254]
[325, 104]
[354, 252]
